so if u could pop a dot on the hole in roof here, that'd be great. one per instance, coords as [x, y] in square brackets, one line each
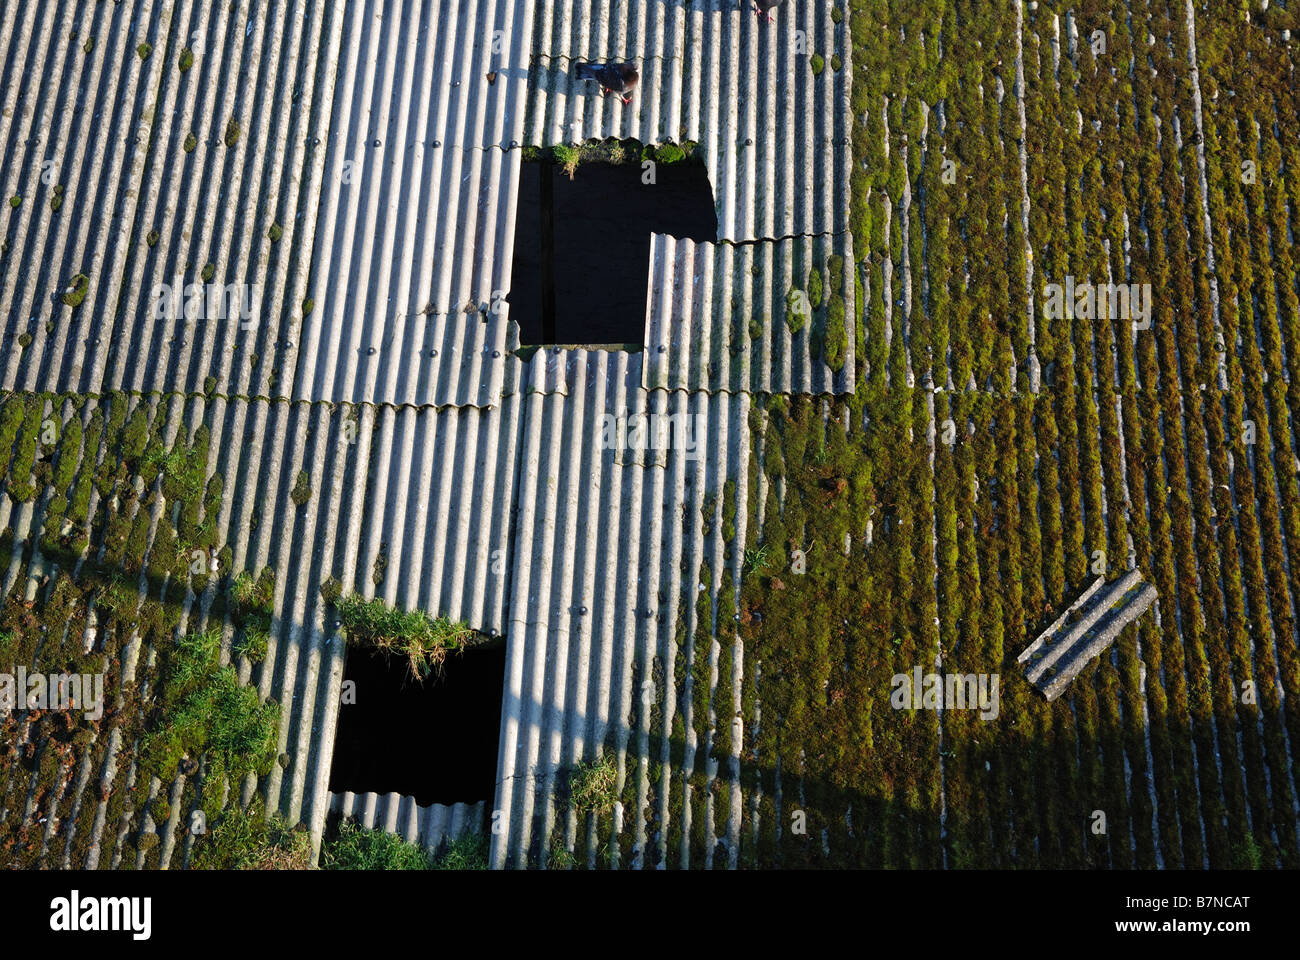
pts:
[434, 740]
[582, 244]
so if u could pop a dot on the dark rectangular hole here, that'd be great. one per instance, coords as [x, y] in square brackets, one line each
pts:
[582, 245]
[434, 740]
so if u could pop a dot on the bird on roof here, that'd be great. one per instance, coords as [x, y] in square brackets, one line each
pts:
[762, 7]
[617, 78]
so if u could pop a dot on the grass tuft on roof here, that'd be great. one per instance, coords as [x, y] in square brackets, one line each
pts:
[423, 641]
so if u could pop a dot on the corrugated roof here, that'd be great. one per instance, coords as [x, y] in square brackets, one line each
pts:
[417, 212]
[258, 448]
[384, 140]
[93, 128]
[415, 207]
[723, 317]
[428, 826]
[607, 542]
[413, 505]
[773, 132]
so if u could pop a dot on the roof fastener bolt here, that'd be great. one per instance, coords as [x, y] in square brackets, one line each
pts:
[495, 354]
[433, 353]
[370, 351]
[582, 611]
[662, 348]
[376, 141]
[749, 141]
[437, 143]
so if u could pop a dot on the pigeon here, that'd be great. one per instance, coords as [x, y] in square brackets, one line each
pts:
[762, 7]
[617, 78]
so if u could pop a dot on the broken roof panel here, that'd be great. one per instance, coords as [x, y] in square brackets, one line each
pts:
[427, 826]
[410, 504]
[369, 191]
[750, 317]
[1087, 628]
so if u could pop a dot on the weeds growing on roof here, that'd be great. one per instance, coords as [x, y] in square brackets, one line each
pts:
[358, 849]
[566, 158]
[756, 559]
[249, 840]
[251, 606]
[355, 848]
[611, 150]
[469, 851]
[591, 786]
[423, 641]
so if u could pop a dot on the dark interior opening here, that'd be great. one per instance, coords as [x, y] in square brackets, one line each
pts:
[582, 245]
[434, 740]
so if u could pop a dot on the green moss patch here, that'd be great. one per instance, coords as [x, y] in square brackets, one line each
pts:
[592, 786]
[75, 293]
[209, 714]
[301, 492]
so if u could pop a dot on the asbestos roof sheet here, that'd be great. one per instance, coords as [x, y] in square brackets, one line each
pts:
[448, 471]
[125, 145]
[741, 318]
[417, 210]
[607, 541]
[772, 129]
[427, 826]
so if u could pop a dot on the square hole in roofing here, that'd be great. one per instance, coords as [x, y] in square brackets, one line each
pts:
[434, 740]
[582, 246]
